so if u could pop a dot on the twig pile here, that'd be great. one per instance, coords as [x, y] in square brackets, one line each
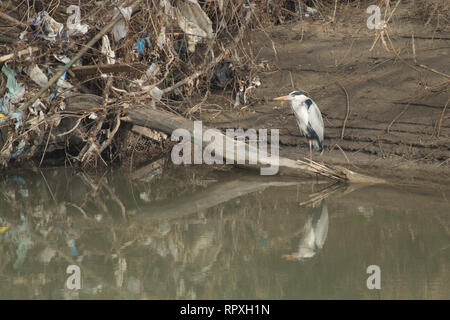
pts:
[160, 52]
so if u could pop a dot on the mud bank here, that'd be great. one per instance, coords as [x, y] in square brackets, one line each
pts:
[396, 124]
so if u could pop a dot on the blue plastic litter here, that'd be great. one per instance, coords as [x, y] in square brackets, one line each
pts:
[53, 94]
[140, 45]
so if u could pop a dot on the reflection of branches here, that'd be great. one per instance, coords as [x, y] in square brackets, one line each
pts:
[115, 199]
[80, 209]
[217, 193]
[328, 191]
[323, 194]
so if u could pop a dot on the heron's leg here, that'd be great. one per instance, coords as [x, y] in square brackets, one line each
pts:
[310, 150]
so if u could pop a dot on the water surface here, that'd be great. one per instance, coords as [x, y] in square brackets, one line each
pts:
[195, 233]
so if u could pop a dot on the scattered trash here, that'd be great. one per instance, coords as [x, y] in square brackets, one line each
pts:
[244, 88]
[162, 41]
[194, 22]
[73, 22]
[310, 11]
[255, 83]
[223, 75]
[14, 95]
[120, 29]
[156, 93]
[141, 44]
[62, 58]
[61, 86]
[15, 90]
[45, 26]
[3, 229]
[37, 75]
[107, 51]
[152, 71]
[139, 65]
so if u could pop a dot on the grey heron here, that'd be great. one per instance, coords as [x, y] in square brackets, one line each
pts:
[309, 119]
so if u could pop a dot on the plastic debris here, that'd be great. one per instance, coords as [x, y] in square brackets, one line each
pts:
[194, 22]
[107, 51]
[168, 8]
[223, 75]
[152, 71]
[310, 11]
[156, 93]
[61, 85]
[45, 26]
[120, 29]
[140, 46]
[161, 40]
[3, 229]
[142, 43]
[17, 115]
[37, 75]
[254, 84]
[62, 58]
[73, 22]
[14, 95]
[15, 90]
[37, 107]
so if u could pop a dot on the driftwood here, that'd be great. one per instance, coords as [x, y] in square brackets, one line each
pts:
[149, 117]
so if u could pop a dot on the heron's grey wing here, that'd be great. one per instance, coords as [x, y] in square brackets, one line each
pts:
[301, 115]
[321, 227]
[315, 120]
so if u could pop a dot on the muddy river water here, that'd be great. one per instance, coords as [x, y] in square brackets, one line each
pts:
[186, 233]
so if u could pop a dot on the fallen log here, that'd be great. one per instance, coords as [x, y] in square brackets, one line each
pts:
[149, 117]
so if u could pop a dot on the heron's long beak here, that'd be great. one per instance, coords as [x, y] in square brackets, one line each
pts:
[282, 98]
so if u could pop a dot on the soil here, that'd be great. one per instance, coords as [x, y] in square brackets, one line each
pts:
[396, 128]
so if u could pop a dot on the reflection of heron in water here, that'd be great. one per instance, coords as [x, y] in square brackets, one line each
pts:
[314, 234]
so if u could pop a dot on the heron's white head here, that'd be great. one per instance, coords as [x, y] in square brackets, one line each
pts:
[294, 97]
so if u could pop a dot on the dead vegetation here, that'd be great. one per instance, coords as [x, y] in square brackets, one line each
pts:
[169, 53]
